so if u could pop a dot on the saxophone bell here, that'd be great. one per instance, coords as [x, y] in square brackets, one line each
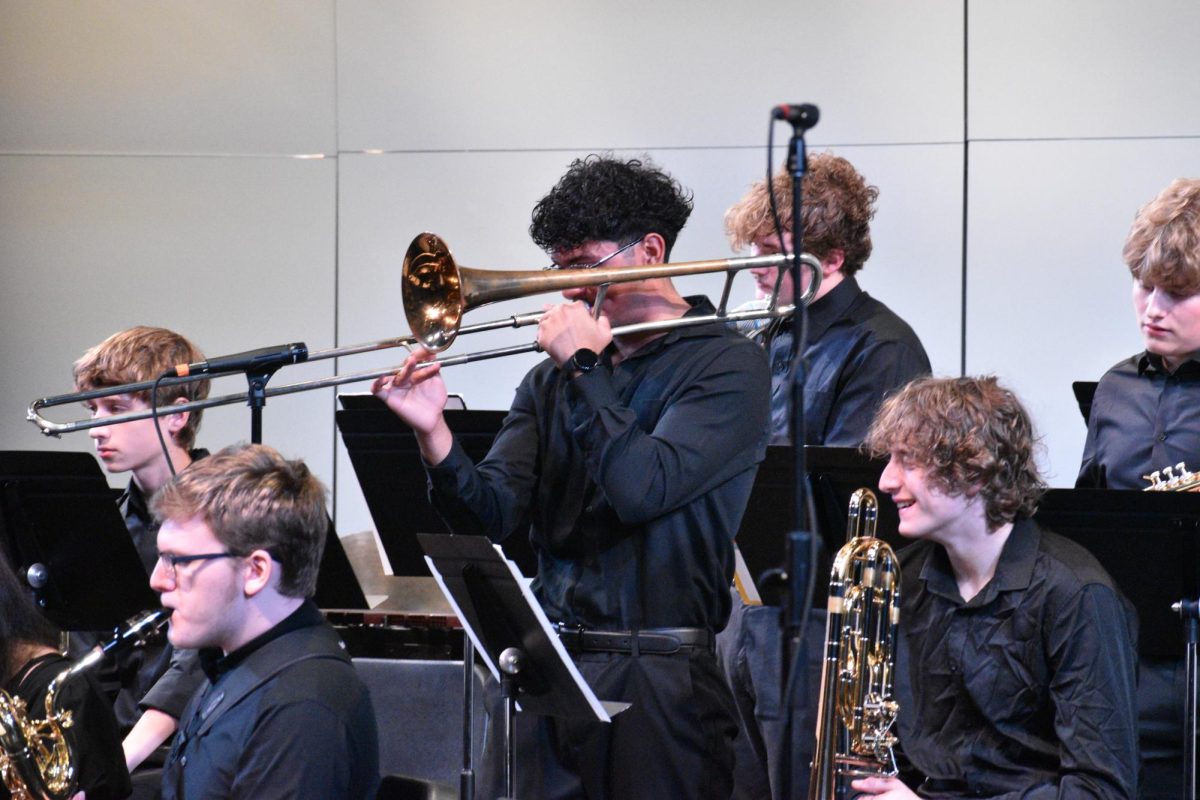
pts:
[856, 710]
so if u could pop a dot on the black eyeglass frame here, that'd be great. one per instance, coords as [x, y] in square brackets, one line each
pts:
[171, 562]
[599, 263]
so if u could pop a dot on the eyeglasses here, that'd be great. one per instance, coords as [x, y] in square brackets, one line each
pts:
[170, 562]
[599, 263]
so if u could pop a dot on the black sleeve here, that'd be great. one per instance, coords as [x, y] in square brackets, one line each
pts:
[95, 740]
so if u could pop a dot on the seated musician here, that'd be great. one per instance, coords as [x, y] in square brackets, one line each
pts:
[151, 684]
[1146, 416]
[628, 460]
[29, 662]
[858, 351]
[1016, 660]
[283, 713]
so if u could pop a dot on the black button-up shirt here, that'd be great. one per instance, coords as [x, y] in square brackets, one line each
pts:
[1143, 419]
[631, 480]
[858, 351]
[1028, 689]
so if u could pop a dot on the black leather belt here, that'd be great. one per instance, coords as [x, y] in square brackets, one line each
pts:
[655, 641]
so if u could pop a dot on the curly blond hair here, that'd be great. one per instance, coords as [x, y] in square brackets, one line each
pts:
[838, 208]
[1163, 246]
[970, 435]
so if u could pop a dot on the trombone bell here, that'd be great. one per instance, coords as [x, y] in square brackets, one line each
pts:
[432, 292]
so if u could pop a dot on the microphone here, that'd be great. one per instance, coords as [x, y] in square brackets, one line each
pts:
[264, 359]
[802, 116]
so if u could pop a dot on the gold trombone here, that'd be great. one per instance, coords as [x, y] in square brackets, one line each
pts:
[436, 293]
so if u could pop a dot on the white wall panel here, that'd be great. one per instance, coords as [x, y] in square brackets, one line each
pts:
[233, 253]
[620, 74]
[1083, 68]
[481, 202]
[1048, 295]
[140, 76]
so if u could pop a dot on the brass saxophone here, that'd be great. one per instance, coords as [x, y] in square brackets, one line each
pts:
[36, 758]
[856, 710]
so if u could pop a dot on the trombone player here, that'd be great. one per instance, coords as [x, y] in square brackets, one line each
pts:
[632, 458]
[1016, 660]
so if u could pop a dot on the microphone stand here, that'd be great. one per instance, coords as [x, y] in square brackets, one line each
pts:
[800, 541]
[1189, 611]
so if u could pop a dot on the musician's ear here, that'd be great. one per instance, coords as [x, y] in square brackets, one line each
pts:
[260, 572]
[655, 248]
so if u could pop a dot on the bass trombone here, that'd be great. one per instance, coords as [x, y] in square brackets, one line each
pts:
[436, 293]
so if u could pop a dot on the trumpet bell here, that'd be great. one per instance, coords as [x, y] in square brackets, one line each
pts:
[432, 295]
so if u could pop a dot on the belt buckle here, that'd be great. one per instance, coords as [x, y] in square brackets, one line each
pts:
[571, 636]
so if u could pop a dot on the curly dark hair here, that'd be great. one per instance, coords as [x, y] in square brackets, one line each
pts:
[604, 199]
[839, 205]
[970, 434]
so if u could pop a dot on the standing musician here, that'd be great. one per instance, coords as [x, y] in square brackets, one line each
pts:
[631, 459]
[152, 683]
[1016, 660]
[29, 662]
[1146, 416]
[283, 713]
[858, 351]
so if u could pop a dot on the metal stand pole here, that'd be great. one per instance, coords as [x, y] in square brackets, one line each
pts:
[511, 662]
[1190, 611]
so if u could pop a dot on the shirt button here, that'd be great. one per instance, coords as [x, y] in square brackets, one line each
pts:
[183, 761]
[1162, 437]
[953, 668]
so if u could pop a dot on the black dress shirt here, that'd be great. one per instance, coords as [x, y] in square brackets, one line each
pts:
[631, 480]
[858, 351]
[1028, 689]
[1143, 419]
[285, 716]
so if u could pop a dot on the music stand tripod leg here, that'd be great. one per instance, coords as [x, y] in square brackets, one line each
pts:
[510, 664]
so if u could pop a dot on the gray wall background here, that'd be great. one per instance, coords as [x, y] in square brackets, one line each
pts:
[251, 173]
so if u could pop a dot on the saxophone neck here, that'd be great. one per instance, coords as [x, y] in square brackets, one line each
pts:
[134, 632]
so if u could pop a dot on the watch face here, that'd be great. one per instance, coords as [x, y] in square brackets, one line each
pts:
[584, 360]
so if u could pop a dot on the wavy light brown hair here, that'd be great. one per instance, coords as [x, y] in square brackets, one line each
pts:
[971, 435]
[142, 353]
[252, 498]
[1163, 246]
[838, 208]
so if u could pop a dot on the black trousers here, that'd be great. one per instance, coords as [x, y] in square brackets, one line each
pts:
[675, 740]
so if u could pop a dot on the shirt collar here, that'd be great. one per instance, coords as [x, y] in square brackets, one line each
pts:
[830, 308]
[700, 306]
[215, 664]
[1151, 364]
[1013, 573]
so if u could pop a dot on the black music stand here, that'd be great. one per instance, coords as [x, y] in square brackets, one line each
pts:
[512, 634]
[387, 462]
[337, 585]
[1085, 392]
[1149, 542]
[834, 473]
[61, 531]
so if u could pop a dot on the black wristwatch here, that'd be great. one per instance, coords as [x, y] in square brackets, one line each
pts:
[584, 360]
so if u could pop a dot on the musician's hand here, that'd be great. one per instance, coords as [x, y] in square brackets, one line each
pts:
[887, 788]
[418, 396]
[564, 329]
